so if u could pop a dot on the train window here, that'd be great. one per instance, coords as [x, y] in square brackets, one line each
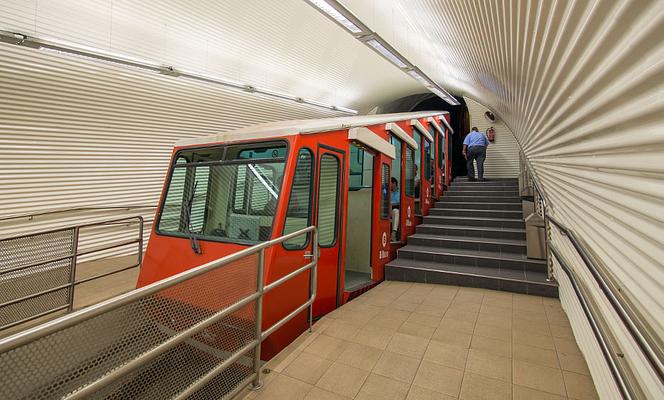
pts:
[298, 215]
[226, 193]
[361, 168]
[328, 197]
[427, 160]
[441, 151]
[396, 163]
[385, 192]
[409, 185]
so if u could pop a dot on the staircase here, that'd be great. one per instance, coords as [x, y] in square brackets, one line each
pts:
[475, 236]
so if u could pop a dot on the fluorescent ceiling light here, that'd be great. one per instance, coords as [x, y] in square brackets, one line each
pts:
[386, 53]
[62, 47]
[326, 8]
[419, 77]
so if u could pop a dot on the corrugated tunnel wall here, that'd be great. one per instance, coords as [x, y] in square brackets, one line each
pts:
[579, 83]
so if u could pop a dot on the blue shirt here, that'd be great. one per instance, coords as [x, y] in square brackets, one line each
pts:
[395, 198]
[476, 139]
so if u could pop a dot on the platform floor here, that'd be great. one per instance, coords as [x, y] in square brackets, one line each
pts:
[433, 342]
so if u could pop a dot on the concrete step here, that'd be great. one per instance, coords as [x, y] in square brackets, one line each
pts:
[475, 221]
[461, 212]
[501, 246]
[472, 231]
[527, 282]
[484, 193]
[487, 180]
[456, 198]
[475, 258]
[447, 203]
[483, 188]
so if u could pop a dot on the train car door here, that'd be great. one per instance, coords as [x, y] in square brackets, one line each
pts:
[329, 199]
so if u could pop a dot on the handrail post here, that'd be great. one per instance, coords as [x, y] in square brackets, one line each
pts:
[140, 241]
[313, 278]
[257, 384]
[72, 272]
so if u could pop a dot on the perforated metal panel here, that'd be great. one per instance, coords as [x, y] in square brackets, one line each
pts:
[62, 362]
[32, 265]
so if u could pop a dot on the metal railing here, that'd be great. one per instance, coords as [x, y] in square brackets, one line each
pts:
[196, 335]
[38, 270]
[650, 350]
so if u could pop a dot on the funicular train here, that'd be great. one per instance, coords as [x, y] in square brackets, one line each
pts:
[229, 191]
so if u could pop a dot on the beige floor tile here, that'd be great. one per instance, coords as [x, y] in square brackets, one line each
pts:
[441, 300]
[397, 366]
[354, 316]
[420, 393]
[558, 318]
[494, 320]
[439, 378]
[580, 387]
[536, 317]
[284, 388]
[374, 336]
[498, 347]
[320, 394]
[521, 305]
[326, 347]
[524, 393]
[539, 377]
[360, 356]
[498, 300]
[523, 325]
[489, 365]
[467, 311]
[422, 331]
[573, 363]
[307, 368]
[567, 346]
[424, 319]
[433, 310]
[378, 387]
[279, 362]
[408, 345]
[401, 306]
[451, 336]
[525, 299]
[493, 332]
[343, 379]
[479, 387]
[505, 312]
[380, 301]
[535, 355]
[341, 329]
[411, 298]
[561, 331]
[446, 354]
[457, 324]
[387, 322]
[532, 339]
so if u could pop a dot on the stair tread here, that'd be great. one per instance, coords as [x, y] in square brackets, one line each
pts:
[471, 253]
[470, 239]
[472, 209]
[479, 228]
[476, 218]
[496, 273]
[464, 202]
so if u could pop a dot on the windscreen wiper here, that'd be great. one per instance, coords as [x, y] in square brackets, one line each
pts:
[264, 180]
[195, 246]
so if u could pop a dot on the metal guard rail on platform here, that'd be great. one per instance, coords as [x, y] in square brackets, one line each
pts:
[70, 320]
[71, 258]
[643, 342]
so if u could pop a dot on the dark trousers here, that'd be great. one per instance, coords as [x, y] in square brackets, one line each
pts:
[476, 153]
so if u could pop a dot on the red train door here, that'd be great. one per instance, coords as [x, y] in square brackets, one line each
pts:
[329, 198]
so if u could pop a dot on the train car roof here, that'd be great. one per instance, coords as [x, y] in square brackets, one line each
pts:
[307, 126]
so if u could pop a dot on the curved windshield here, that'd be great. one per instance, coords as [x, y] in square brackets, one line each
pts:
[226, 193]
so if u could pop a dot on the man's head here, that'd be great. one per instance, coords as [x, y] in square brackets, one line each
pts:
[474, 129]
[394, 184]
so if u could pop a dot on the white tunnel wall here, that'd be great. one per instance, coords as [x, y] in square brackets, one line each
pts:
[580, 85]
[502, 156]
[82, 133]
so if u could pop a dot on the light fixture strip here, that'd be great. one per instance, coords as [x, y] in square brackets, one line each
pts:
[117, 58]
[338, 13]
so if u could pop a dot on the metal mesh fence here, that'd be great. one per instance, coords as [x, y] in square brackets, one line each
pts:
[145, 334]
[34, 265]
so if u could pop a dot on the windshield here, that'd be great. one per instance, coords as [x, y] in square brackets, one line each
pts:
[226, 193]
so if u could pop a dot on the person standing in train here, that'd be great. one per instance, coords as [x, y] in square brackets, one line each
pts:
[395, 199]
[474, 148]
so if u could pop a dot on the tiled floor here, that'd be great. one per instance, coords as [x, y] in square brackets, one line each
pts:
[433, 342]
